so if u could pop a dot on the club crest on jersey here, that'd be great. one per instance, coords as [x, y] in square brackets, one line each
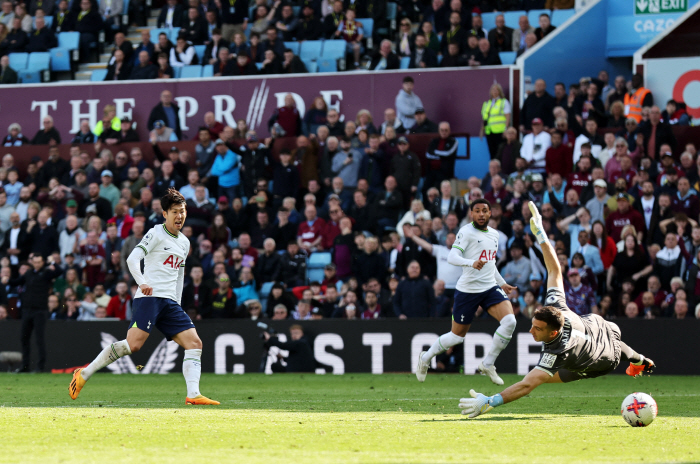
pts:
[174, 262]
[487, 255]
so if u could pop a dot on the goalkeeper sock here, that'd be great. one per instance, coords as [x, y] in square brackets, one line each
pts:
[500, 339]
[443, 342]
[192, 370]
[107, 357]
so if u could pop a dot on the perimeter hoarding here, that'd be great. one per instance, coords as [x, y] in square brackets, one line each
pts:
[677, 79]
[341, 346]
[453, 95]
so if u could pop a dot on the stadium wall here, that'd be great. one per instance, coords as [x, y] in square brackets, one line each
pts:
[453, 95]
[342, 346]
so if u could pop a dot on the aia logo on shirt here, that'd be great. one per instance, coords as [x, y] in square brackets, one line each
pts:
[487, 255]
[174, 262]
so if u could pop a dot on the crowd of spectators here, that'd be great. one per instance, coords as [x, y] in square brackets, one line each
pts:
[237, 37]
[620, 205]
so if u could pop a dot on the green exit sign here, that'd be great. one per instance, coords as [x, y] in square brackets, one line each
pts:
[642, 7]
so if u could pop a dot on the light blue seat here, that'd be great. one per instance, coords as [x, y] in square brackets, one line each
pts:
[534, 17]
[405, 62]
[367, 25]
[177, 71]
[311, 66]
[310, 49]
[174, 32]
[248, 30]
[489, 20]
[559, 17]
[191, 71]
[60, 59]
[461, 147]
[512, 18]
[199, 50]
[315, 275]
[208, 70]
[327, 66]
[98, 75]
[18, 61]
[70, 41]
[266, 289]
[319, 259]
[507, 57]
[30, 77]
[39, 61]
[259, 66]
[156, 31]
[478, 162]
[293, 46]
[125, 14]
[333, 49]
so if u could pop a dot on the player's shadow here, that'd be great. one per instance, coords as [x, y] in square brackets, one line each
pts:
[486, 418]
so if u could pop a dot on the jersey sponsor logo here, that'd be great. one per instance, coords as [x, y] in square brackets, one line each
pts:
[174, 262]
[162, 361]
[548, 360]
[487, 255]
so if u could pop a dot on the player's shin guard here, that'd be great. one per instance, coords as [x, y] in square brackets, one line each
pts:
[443, 342]
[500, 339]
[192, 370]
[107, 357]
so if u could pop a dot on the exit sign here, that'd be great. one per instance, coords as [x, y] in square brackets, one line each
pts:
[642, 7]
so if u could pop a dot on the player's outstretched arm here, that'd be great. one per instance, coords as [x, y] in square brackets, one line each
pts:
[554, 274]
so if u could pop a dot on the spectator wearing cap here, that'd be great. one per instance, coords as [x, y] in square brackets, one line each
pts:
[580, 298]
[407, 103]
[108, 190]
[125, 134]
[624, 216]
[414, 295]
[406, 169]
[167, 113]
[536, 286]
[538, 105]
[226, 167]
[535, 145]
[162, 133]
[422, 125]
[597, 206]
[558, 157]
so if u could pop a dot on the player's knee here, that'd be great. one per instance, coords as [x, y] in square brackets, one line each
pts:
[196, 344]
[508, 323]
[135, 347]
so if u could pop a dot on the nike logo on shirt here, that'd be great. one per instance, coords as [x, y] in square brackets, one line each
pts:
[166, 248]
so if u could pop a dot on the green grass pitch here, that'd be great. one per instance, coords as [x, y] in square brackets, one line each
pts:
[352, 418]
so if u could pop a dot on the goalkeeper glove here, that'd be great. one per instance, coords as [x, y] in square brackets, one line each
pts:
[479, 404]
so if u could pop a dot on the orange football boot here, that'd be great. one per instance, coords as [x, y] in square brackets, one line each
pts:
[76, 384]
[200, 399]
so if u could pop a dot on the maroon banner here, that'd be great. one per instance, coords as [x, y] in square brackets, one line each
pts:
[451, 95]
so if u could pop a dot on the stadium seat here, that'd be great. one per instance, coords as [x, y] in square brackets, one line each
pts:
[439, 59]
[177, 70]
[174, 32]
[191, 72]
[266, 289]
[293, 46]
[368, 27]
[319, 260]
[208, 70]
[70, 41]
[60, 59]
[310, 49]
[391, 11]
[39, 61]
[327, 66]
[199, 50]
[30, 77]
[98, 75]
[489, 20]
[259, 66]
[296, 9]
[333, 49]
[311, 66]
[534, 17]
[405, 62]
[512, 18]
[248, 30]
[155, 32]
[314, 275]
[507, 57]
[559, 17]
[18, 61]
[125, 14]
[461, 147]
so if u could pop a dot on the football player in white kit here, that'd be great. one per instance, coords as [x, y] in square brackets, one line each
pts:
[480, 285]
[157, 301]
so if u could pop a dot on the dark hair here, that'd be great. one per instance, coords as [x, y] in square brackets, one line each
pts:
[408, 79]
[172, 197]
[550, 316]
[479, 201]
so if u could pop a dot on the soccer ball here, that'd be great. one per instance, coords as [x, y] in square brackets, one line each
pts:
[639, 409]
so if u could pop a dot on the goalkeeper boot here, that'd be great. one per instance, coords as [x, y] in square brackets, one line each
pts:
[422, 368]
[645, 366]
[76, 384]
[200, 399]
[491, 372]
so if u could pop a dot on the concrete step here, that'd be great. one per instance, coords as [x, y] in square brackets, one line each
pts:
[83, 75]
[155, 12]
[153, 22]
[104, 57]
[91, 66]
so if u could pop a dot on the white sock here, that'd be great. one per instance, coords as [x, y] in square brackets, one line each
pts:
[503, 334]
[107, 357]
[192, 370]
[443, 342]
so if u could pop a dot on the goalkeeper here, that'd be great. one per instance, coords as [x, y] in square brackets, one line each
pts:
[574, 347]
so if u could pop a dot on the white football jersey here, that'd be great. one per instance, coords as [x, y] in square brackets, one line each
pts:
[478, 245]
[165, 257]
